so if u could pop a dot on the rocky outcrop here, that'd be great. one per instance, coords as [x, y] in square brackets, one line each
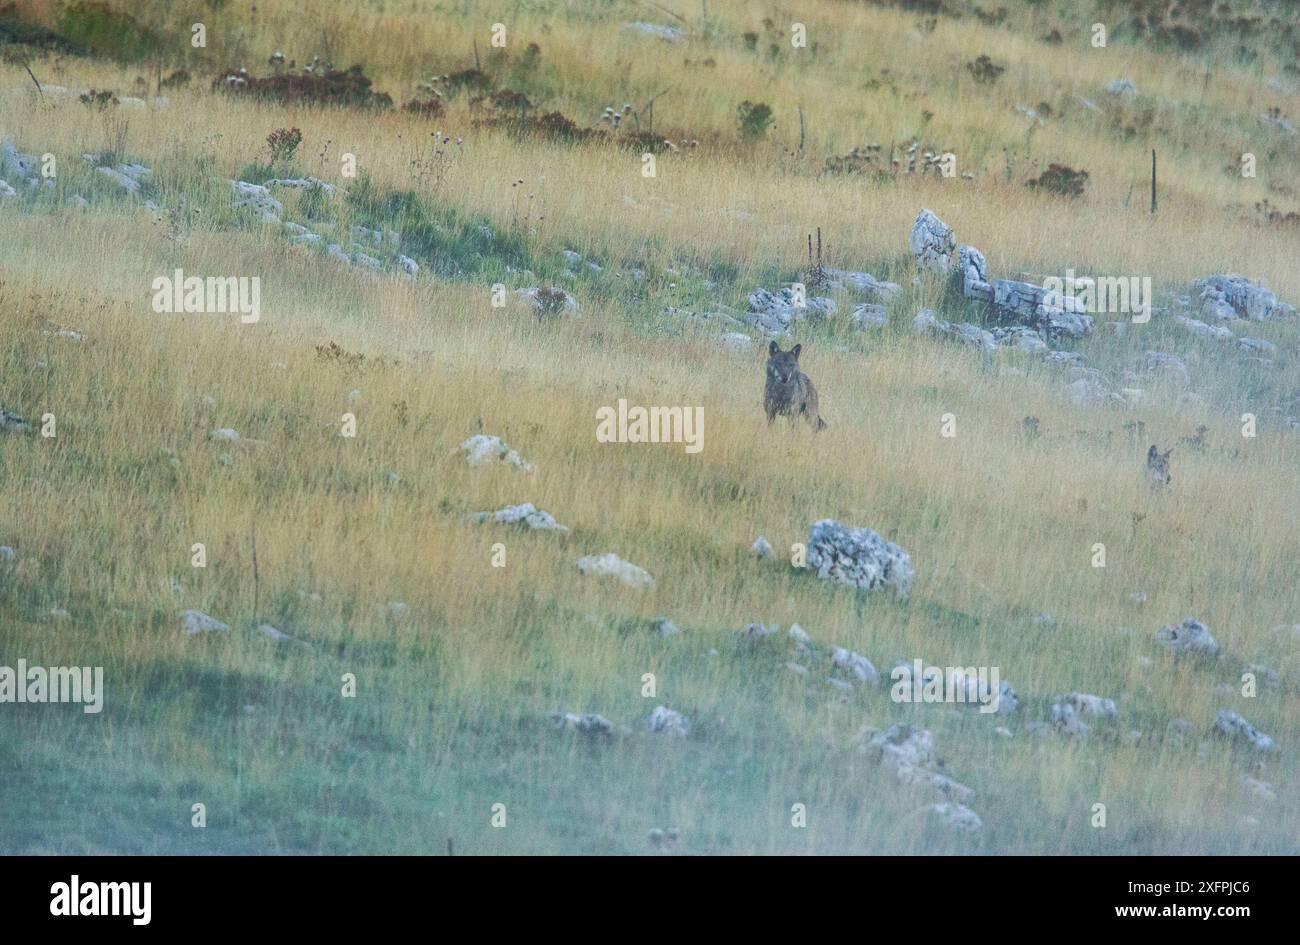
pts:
[865, 283]
[1232, 726]
[856, 666]
[483, 450]
[524, 514]
[858, 557]
[932, 243]
[1230, 296]
[869, 315]
[611, 565]
[1190, 637]
[665, 721]
[926, 322]
[258, 199]
[196, 621]
[774, 312]
[589, 724]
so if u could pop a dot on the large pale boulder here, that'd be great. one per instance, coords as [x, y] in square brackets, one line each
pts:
[858, 557]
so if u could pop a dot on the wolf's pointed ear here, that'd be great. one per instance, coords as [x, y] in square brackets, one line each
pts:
[772, 349]
[795, 351]
[1152, 453]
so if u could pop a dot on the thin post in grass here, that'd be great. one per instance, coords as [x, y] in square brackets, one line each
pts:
[257, 579]
[801, 131]
[1153, 181]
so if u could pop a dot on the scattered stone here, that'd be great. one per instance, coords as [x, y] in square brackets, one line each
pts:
[858, 557]
[526, 514]
[1045, 309]
[670, 33]
[665, 627]
[967, 685]
[1026, 339]
[225, 433]
[973, 269]
[774, 312]
[665, 721]
[736, 342]
[1066, 718]
[1064, 358]
[927, 322]
[661, 838]
[761, 547]
[589, 724]
[857, 665]
[195, 621]
[759, 631]
[11, 422]
[7, 553]
[612, 565]
[900, 744]
[1256, 346]
[126, 176]
[483, 450]
[865, 283]
[278, 636]
[1191, 636]
[1123, 89]
[1261, 671]
[397, 609]
[932, 243]
[1257, 788]
[1228, 296]
[367, 262]
[257, 198]
[869, 315]
[1201, 330]
[301, 183]
[17, 165]
[1157, 362]
[957, 816]
[549, 301]
[799, 634]
[1233, 726]
[941, 784]
[1086, 704]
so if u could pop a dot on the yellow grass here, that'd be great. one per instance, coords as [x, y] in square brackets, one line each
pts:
[453, 698]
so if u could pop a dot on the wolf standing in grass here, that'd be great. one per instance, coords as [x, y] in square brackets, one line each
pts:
[1158, 467]
[788, 391]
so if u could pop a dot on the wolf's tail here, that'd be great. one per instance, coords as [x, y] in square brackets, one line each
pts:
[821, 425]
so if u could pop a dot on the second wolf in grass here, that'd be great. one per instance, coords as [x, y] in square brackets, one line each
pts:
[788, 391]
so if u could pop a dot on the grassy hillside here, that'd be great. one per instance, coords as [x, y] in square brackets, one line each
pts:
[319, 535]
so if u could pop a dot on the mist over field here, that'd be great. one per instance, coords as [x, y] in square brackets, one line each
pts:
[682, 427]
